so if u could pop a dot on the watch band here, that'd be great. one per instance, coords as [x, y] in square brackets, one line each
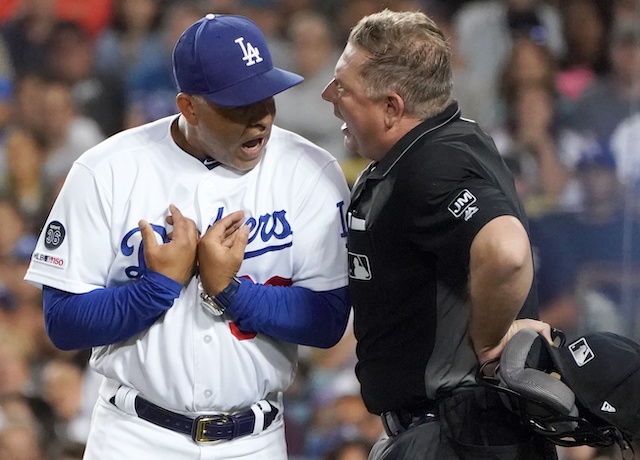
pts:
[216, 305]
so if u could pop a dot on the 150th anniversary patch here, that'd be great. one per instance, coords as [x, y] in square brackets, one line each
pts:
[54, 236]
[47, 259]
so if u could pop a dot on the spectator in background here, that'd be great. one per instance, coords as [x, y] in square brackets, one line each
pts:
[486, 30]
[612, 97]
[21, 310]
[97, 95]
[23, 181]
[61, 387]
[586, 27]
[67, 134]
[529, 62]
[70, 451]
[357, 449]
[17, 442]
[582, 255]
[16, 242]
[6, 87]
[533, 138]
[151, 89]
[288, 8]
[26, 35]
[9, 9]
[532, 133]
[93, 16]
[625, 139]
[331, 371]
[71, 389]
[272, 18]
[133, 39]
[625, 142]
[15, 356]
[474, 102]
[314, 57]
[349, 13]
[19, 399]
[625, 11]
[341, 420]
[28, 89]
[6, 114]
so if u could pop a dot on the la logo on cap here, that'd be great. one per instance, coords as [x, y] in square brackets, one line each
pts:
[250, 52]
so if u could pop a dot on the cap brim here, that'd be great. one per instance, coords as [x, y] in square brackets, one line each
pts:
[255, 88]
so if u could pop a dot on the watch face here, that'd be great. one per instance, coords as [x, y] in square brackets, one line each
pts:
[212, 307]
[209, 303]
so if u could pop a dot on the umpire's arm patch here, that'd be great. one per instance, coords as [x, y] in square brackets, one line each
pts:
[462, 205]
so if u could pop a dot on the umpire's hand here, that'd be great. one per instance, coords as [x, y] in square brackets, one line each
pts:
[221, 251]
[495, 352]
[175, 259]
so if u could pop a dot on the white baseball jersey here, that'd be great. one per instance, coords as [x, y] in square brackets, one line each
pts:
[189, 360]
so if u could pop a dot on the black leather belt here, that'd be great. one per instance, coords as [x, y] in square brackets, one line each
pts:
[205, 428]
[399, 421]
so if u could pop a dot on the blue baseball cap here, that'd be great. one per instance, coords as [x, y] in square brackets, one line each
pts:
[597, 153]
[225, 58]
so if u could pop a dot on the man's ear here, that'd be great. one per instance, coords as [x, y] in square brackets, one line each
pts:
[186, 106]
[394, 109]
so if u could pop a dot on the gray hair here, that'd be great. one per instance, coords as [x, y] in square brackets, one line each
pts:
[408, 54]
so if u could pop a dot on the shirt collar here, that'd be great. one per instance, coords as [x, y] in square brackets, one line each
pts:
[382, 168]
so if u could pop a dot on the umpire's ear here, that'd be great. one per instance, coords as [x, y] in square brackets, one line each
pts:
[394, 109]
[187, 107]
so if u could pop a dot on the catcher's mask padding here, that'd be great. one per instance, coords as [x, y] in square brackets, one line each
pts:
[532, 382]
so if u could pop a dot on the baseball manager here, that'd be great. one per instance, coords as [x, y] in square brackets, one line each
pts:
[193, 254]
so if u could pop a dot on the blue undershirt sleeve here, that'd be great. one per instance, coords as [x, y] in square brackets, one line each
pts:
[108, 315]
[292, 313]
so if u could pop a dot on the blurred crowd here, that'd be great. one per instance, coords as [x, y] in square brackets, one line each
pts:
[556, 83]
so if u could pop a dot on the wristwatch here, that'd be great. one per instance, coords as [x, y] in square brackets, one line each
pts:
[216, 305]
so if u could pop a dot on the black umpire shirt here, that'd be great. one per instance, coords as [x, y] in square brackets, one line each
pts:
[411, 222]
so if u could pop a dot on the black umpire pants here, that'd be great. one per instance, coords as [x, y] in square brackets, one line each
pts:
[471, 424]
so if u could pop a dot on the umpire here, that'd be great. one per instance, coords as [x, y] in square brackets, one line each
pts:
[440, 262]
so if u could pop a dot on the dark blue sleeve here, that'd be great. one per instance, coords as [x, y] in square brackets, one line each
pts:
[109, 315]
[291, 313]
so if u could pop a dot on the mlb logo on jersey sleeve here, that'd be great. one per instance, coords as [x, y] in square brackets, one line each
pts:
[462, 205]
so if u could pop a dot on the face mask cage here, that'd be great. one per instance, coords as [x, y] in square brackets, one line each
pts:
[561, 429]
[542, 401]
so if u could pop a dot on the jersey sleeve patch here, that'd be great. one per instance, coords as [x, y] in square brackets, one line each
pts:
[48, 259]
[463, 205]
[54, 235]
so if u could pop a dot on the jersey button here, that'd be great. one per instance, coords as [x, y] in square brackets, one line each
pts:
[208, 393]
[207, 339]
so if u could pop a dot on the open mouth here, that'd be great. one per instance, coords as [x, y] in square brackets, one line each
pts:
[253, 145]
[345, 129]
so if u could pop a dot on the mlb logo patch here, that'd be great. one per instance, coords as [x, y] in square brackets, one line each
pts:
[462, 205]
[581, 352]
[359, 267]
